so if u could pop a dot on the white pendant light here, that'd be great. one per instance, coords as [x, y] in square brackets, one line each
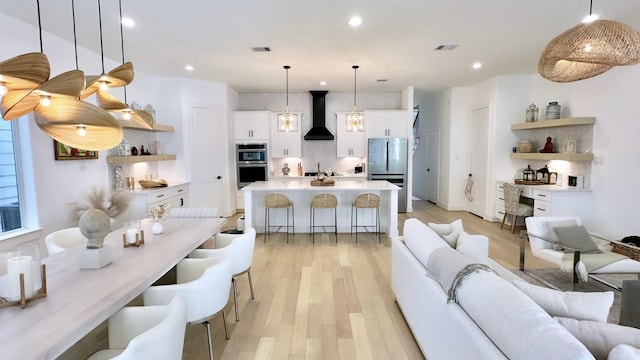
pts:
[287, 121]
[355, 119]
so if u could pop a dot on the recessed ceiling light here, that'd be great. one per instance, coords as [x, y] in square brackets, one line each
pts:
[323, 83]
[589, 18]
[476, 65]
[355, 21]
[188, 68]
[128, 22]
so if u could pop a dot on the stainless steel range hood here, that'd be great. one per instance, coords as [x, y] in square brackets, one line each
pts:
[318, 131]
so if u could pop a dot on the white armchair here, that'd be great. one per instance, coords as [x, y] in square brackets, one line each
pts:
[542, 246]
[146, 332]
[61, 240]
[204, 285]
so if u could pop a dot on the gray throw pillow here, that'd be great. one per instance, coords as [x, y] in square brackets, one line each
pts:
[576, 238]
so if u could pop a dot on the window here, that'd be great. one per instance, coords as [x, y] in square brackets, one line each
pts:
[10, 218]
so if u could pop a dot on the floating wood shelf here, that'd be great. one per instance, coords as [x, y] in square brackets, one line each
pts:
[137, 159]
[554, 156]
[128, 124]
[542, 124]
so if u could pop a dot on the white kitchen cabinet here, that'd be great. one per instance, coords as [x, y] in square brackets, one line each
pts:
[386, 123]
[251, 126]
[349, 143]
[144, 199]
[284, 143]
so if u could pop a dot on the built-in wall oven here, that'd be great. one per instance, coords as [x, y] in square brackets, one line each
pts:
[251, 160]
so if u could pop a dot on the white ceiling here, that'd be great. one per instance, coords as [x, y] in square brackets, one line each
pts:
[395, 42]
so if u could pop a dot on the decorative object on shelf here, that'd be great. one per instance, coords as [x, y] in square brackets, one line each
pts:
[525, 146]
[157, 213]
[569, 146]
[133, 234]
[553, 178]
[131, 183]
[153, 183]
[287, 121]
[548, 146]
[532, 113]
[528, 174]
[151, 110]
[65, 152]
[134, 151]
[543, 174]
[25, 277]
[118, 178]
[111, 203]
[589, 49]
[285, 169]
[553, 110]
[575, 181]
[299, 169]
[355, 119]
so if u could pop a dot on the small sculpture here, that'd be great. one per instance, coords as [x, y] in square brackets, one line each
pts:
[548, 146]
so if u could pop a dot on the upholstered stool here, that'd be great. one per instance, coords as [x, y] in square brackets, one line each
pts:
[323, 201]
[366, 201]
[278, 201]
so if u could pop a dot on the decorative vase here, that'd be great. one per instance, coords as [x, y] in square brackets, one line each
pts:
[94, 225]
[553, 110]
[157, 228]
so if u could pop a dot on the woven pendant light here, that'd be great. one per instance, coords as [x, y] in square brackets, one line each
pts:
[79, 124]
[110, 103]
[118, 77]
[587, 50]
[25, 71]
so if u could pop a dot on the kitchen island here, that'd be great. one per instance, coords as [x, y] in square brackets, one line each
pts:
[301, 192]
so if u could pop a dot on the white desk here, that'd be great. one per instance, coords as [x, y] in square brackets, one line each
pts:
[301, 192]
[79, 300]
[550, 200]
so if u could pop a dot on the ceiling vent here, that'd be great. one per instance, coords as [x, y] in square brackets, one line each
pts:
[446, 47]
[261, 49]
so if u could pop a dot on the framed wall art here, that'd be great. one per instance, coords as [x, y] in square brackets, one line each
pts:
[66, 152]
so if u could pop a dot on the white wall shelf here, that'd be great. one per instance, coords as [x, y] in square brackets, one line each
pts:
[543, 124]
[128, 124]
[554, 156]
[139, 158]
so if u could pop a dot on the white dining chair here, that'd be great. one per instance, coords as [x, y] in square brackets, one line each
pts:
[204, 285]
[146, 332]
[61, 240]
[242, 247]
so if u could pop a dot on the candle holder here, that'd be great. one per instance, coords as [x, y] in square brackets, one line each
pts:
[24, 276]
[133, 235]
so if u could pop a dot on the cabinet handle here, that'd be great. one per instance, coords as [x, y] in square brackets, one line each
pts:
[543, 210]
[181, 202]
[159, 196]
[180, 190]
[542, 195]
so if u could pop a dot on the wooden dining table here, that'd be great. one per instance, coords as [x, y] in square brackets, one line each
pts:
[78, 300]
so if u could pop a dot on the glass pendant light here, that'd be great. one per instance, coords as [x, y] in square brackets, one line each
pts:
[287, 121]
[355, 119]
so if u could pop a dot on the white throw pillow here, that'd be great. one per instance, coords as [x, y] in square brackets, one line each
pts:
[601, 338]
[474, 246]
[624, 352]
[449, 232]
[444, 264]
[592, 306]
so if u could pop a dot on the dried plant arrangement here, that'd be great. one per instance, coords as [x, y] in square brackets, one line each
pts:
[111, 203]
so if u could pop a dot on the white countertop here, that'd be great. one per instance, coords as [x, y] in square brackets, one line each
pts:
[304, 183]
[361, 176]
[550, 187]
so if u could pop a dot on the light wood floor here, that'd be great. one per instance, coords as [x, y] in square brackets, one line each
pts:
[328, 300]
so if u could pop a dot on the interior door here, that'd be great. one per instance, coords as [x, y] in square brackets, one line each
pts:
[207, 154]
[433, 164]
[477, 197]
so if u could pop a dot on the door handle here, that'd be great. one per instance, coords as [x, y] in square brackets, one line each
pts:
[219, 177]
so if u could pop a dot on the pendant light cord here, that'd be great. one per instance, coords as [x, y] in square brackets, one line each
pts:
[122, 47]
[590, 7]
[101, 45]
[286, 68]
[355, 82]
[75, 38]
[39, 25]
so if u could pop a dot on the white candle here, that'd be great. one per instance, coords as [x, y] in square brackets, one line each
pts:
[15, 266]
[131, 236]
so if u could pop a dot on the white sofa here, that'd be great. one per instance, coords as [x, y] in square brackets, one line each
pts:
[504, 323]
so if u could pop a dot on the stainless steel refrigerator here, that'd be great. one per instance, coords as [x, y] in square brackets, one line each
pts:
[387, 158]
